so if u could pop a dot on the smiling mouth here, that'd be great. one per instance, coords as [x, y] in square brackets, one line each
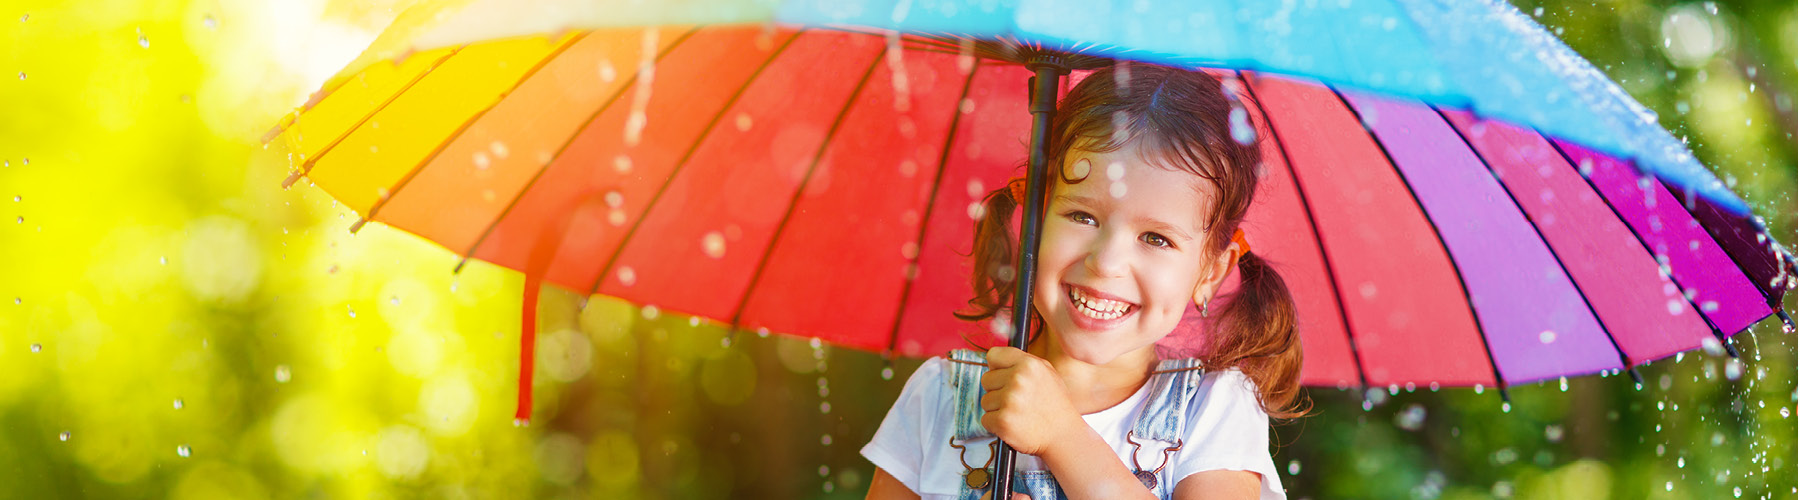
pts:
[1096, 307]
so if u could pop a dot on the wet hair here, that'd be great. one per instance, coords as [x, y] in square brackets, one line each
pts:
[1182, 120]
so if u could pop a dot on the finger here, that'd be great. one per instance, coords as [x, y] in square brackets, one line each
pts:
[995, 380]
[1020, 496]
[990, 402]
[1003, 356]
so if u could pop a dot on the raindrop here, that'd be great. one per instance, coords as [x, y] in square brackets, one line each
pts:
[21, 219]
[622, 163]
[16, 198]
[17, 300]
[1563, 383]
[210, 22]
[1709, 306]
[1412, 418]
[1505, 407]
[887, 373]
[64, 437]
[1734, 369]
[352, 311]
[1681, 463]
[825, 440]
[650, 312]
[743, 122]
[1293, 467]
[1538, 12]
[1547, 336]
[164, 260]
[21, 75]
[481, 160]
[627, 276]
[143, 41]
[1478, 388]
[1784, 412]
[184, 451]
[1554, 433]
[1503, 489]
[1241, 131]
[394, 300]
[714, 244]
[283, 374]
[1718, 438]
[1674, 307]
[499, 149]
[825, 408]
[1669, 486]
[23, 18]
[179, 404]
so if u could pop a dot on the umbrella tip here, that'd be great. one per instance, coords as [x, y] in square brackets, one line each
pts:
[291, 179]
[358, 225]
[1729, 349]
[521, 422]
[1636, 377]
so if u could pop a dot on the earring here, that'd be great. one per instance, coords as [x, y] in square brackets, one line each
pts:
[1203, 307]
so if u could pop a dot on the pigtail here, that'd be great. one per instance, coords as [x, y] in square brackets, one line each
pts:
[1258, 334]
[995, 250]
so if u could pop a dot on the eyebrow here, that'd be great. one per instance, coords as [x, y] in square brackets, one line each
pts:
[1156, 225]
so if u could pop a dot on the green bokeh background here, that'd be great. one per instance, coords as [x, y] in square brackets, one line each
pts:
[176, 325]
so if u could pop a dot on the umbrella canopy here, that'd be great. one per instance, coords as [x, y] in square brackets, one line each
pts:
[824, 182]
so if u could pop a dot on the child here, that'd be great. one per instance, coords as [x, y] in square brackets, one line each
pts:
[1140, 228]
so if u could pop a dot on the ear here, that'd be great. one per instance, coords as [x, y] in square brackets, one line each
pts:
[1213, 272]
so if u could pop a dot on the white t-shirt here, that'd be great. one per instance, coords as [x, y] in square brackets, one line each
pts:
[1227, 430]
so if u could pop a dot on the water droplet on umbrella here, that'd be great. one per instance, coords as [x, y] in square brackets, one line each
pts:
[651, 312]
[1563, 383]
[1674, 307]
[499, 150]
[210, 22]
[1669, 486]
[1505, 407]
[627, 276]
[64, 436]
[744, 122]
[25, 17]
[143, 41]
[17, 300]
[825, 407]
[481, 160]
[887, 373]
[21, 219]
[179, 404]
[622, 163]
[283, 374]
[16, 198]
[1784, 412]
[183, 451]
[1712, 346]
[616, 217]
[1478, 388]
[1547, 336]
[21, 75]
[352, 311]
[714, 244]
[1553, 433]
[1505, 456]
[37, 348]
[1709, 306]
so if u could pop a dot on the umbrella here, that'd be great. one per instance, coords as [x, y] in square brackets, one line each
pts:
[1459, 201]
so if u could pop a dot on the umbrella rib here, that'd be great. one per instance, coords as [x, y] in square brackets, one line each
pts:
[685, 156]
[1318, 239]
[1723, 339]
[1773, 302]
[457, 134]
[623, 88]
[1624, 360]
[1462, 284]
[800, 191]
[307, 166]
[930, 204]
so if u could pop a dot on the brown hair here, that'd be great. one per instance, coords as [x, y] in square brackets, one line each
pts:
[1186, 117]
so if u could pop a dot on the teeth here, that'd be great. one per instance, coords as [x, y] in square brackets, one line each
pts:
[1097, 307]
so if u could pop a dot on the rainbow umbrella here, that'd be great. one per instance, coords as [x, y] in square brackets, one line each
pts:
[1456, 199]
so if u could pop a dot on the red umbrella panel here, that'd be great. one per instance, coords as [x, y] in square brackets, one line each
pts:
[825, 184]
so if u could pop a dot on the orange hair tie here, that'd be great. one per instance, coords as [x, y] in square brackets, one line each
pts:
[1238, 237]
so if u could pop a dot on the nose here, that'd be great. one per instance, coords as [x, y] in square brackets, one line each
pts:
[1108, 256]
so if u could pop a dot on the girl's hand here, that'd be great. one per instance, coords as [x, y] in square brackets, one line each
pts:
[1026, 402]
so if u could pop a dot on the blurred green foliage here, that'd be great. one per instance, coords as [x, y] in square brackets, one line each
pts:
[175, 325]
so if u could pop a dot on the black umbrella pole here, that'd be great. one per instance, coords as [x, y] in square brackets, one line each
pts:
[1043, 109]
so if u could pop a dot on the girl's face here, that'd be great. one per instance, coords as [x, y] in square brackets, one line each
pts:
[1122, 254]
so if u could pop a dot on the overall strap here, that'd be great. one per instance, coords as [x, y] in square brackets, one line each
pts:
[1172, 388]
[966, 368]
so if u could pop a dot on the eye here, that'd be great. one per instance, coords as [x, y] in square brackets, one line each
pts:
[1156, 240]
[1080, 217]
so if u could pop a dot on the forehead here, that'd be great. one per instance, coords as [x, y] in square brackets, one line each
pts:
[1145, 185]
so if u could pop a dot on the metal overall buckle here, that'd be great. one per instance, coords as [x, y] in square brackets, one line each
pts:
[976, 478]
[1148, 477]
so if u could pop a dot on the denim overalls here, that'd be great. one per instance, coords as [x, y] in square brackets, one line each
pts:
[1159, 425]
